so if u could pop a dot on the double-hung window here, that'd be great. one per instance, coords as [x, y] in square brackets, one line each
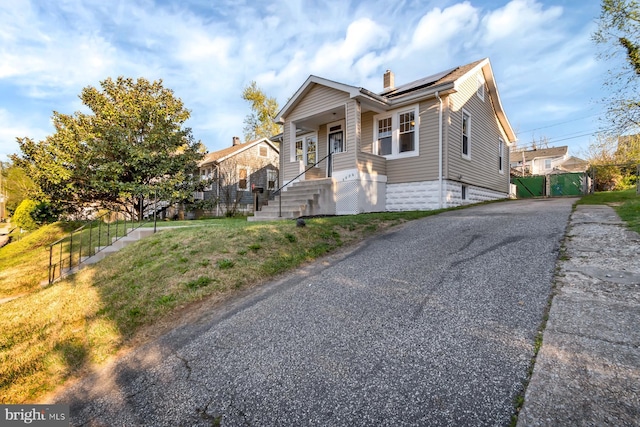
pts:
[407, 132]
[396, 134]
[500, 155]
[272, 177]
[243, 178]
[466, 134]
[385, 134]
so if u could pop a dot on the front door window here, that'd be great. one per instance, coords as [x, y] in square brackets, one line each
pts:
[336, 139]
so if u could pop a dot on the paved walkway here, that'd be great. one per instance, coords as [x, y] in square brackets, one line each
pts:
[588, 370]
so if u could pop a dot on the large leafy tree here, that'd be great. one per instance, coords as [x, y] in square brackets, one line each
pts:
[264, 109]
[619, 34]
[130, 148]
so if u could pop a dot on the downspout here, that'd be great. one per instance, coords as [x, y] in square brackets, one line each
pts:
[439, 151]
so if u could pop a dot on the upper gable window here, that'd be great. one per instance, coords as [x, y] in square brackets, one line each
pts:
[466, 135]
[480, 86]
[263, 152]
[396, 133]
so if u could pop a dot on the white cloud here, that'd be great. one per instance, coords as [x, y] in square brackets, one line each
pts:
[521, 19]
[337, 57]
[439, 27]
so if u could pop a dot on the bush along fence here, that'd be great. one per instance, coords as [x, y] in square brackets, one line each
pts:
[67, 254]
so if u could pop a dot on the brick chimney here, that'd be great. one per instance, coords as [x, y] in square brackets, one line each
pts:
[236, 141]
[388, 80]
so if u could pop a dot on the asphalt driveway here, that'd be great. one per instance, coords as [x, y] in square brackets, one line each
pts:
[431, 324]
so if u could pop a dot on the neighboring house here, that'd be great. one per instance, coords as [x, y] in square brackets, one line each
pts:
[436, 142]
[546, 161]
[574, 164]
[237, 173]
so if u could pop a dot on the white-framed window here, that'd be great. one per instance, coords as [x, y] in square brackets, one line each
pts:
[480, 86]
[243, 178]
[466, 135]
[464, 192]
[397, 133]
[547, 164]
[500, 155]
[263, 151]
[299, 150]
[272, 179]
[385, 134]
[407, 131]
[307, 149]
[335, 137]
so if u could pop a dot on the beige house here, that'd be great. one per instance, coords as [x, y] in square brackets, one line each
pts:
[436, 142]
[239, 176]
[545, 161]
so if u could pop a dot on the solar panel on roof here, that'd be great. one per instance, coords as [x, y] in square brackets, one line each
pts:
[425, 81]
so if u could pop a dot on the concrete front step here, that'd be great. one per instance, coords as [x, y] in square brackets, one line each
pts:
[288, 206]
[300, 198]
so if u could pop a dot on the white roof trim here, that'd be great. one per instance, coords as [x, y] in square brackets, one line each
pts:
[306, 87]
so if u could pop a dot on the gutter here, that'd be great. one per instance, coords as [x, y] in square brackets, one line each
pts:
[419, 95]
[439, 150]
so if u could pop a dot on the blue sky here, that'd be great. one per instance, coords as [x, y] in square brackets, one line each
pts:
[206, 51]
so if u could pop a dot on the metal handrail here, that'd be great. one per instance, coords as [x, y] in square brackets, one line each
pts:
[279, 190]
[73, 261]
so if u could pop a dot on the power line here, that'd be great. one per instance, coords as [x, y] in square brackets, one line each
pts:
[557, 124]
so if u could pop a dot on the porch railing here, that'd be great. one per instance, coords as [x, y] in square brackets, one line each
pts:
[279, 190]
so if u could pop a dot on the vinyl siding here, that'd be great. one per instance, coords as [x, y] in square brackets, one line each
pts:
[367, 132]
[318, 99]
[289, 169]
[322, 146]
[347, 159]
[367, 161]
[425, 166]
[372, 164]
[482, 168]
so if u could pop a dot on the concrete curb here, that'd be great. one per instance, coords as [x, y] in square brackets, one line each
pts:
[588, 369]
